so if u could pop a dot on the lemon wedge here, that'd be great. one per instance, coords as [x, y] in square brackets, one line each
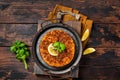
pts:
[88, 51]
[52, 51]
[85, 35]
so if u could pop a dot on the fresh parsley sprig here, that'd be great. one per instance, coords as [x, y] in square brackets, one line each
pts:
[59, 46]
[21, 51]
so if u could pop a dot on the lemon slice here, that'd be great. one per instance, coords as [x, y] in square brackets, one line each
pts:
[88, 51]
[51, 50]
[85, 35]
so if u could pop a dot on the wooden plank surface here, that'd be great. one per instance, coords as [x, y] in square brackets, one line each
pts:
[99, 73]
[18, 21]
[103, 64]
[12, 32]
[11, 68]
[104, 11]
[103, 35]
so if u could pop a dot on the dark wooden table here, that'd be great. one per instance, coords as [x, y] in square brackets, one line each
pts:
[18, 21]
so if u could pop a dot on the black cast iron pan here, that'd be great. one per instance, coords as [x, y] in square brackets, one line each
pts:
[44, 65]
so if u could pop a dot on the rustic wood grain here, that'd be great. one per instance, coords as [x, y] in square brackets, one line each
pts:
[99, 73]
[18, 21]
[102, 57]
[103, 35]
[102, 64]
[11, 68]
[104, 11]
[13, 32]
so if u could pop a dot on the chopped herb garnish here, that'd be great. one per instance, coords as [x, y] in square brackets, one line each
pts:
[21, 51]
[59, 46]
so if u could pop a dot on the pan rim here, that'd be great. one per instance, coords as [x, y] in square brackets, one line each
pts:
[74, 64]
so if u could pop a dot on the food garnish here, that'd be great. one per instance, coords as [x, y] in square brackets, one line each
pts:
[88, 51]
[51, 50]
[85, 35]
[55, 48]
[59, 46]
[21, 51]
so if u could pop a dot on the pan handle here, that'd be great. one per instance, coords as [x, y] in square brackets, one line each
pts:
[45, 22]
[56, 78]
[52, 76]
